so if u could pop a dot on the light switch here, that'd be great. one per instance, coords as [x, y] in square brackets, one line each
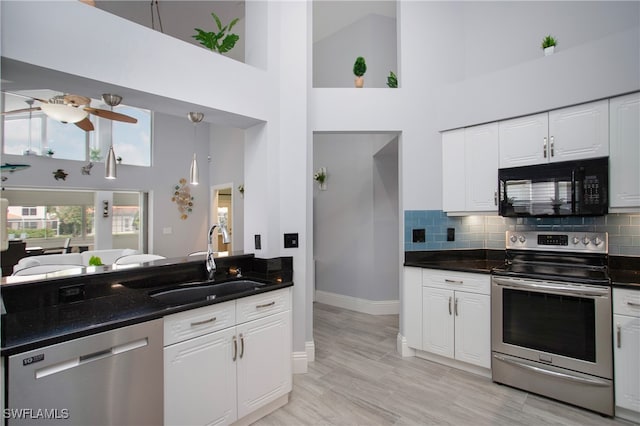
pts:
[167, 230]
[290, 240]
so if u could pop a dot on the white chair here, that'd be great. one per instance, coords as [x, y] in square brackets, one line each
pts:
[137, 258]
[45, 269]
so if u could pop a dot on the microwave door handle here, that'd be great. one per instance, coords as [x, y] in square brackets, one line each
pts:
[551, 143]
[544, 147]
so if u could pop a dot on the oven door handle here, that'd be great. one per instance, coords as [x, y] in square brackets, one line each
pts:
[552, 288]
[593, 381]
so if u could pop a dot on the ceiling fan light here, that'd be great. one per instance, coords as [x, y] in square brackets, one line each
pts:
[194, 177]
[64, 113]
[110, 165]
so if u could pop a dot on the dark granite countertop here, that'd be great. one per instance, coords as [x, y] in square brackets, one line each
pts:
[475, 260]
[36, 317]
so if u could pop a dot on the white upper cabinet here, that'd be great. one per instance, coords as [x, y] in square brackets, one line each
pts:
[572, 133]
[470, 169]
[624, 154]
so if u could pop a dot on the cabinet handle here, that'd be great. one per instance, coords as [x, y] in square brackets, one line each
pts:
[455, 307]
[495, 197]
[447, 280]
[266, 305]
[241, 345]
[551, 146]
[235, 348]
[449, 305]
[544, 147]
[193, 324]
[633, 304]
[619, 335]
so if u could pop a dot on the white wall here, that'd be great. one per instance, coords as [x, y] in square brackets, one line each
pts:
[355, 243]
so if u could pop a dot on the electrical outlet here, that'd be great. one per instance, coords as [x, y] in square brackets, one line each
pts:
[451, 234]
[290, 240]
[257, 242]
[419, 235]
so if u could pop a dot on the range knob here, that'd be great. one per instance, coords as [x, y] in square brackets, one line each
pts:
[522, 238]
[513, 238]
[597, 241]
[586, 240]
[575, 240]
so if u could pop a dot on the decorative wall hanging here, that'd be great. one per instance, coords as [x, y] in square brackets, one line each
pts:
[60, 174]
[182, 197]
[86, 169]
[241, 189]
[321, 177]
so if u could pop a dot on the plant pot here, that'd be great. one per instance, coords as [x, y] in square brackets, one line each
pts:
[323, 186]
[359, 82]
[549, 50]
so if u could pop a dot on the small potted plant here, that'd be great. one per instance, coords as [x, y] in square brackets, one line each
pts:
[50, 152]
[392, 80]
[548, 45]
[95, 155]
[119, 159]
[321, 177]
[359, 68]
[241, 190]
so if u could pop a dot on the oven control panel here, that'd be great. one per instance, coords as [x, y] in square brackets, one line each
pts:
[577, 242]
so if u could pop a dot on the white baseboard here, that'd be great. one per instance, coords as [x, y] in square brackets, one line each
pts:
[300, 360]
[481, 371]
[372, 307]
[403, 348]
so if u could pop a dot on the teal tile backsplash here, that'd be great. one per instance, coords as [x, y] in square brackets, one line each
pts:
[487, 232]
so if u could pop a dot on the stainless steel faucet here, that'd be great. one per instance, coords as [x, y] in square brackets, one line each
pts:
[210, 263]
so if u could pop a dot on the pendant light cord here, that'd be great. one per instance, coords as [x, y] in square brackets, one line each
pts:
[153, 24]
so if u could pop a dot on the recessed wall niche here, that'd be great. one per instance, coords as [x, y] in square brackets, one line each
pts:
[344, 30]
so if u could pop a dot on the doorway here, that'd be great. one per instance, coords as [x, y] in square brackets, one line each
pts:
[222, 213]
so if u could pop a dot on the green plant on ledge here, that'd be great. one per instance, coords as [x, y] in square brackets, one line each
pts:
[360, 67]
[392, 80]
[95, 261]
[549, 41]
[221, 41]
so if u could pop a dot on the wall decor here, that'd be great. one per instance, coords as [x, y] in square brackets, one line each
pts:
[321, 177]
[183, 198]
[86, 169]
[60, 174]
[241, 189]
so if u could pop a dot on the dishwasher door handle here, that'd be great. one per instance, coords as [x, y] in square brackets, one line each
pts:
[92, 357]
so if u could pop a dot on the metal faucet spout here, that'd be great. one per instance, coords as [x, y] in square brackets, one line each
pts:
[210, 262]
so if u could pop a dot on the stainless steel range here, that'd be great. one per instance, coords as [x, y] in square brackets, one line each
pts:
[551, 318]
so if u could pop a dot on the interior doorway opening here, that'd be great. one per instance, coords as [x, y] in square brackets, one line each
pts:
[222, 206]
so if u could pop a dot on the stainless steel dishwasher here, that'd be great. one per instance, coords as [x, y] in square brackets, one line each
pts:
[109, 378]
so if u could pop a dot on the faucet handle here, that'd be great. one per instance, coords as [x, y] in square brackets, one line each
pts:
[238, 272]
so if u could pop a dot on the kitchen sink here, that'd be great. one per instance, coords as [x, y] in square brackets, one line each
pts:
[204, 291]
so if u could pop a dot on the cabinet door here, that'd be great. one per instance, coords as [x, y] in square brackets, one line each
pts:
[412, 306]
[472, 328]
[626, 353]
[437, 321]
[523, 140]
[200, 380]
[624, 151]
[481, 168]
[579, 132]
[453, 171]
[264, 361]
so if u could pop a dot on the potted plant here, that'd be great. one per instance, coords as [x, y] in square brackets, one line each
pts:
[119, 159]
[221, 41]
[359, 68]
[95, 154]
[392, 80]
[241, 189]
[548, 45]
[321, 177]
[50, 152]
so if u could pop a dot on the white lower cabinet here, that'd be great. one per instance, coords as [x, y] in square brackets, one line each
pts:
[626, 352]
[217, 376]
[456, 316]
[447, 313]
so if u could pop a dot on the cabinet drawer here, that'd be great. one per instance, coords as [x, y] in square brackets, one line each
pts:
[626, 302]
[197, 322]
[452, 280]
[261, 305]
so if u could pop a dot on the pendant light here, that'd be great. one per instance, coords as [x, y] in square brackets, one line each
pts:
[30, 103]
[110, 165]
[195, 118]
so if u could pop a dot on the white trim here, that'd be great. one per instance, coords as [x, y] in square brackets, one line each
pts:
[310, 348]
[450, 362]
[299, 362]
[403, 347]
[372, 307]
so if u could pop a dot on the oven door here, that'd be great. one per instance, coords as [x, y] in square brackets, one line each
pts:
[554, 323]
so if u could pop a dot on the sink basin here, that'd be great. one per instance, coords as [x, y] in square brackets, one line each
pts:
[199, 292]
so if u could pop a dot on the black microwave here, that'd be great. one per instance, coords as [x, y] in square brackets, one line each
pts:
[568, 188]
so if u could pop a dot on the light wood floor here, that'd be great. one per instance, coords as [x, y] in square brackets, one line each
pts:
[358, 378]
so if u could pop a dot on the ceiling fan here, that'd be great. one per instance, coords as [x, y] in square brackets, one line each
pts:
[75, 109]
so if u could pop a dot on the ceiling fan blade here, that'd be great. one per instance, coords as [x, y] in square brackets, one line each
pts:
[104, 113]
[85, 124]
[18, 111]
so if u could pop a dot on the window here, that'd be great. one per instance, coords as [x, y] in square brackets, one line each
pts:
[29, 211]
[37, 134]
